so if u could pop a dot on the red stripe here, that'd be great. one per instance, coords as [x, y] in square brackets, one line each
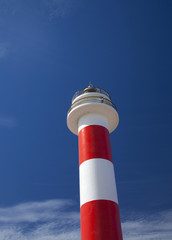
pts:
[100, 220]
[94, 142]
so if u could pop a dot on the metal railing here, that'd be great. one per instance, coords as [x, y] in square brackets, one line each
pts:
[94, 89]
[92, 99]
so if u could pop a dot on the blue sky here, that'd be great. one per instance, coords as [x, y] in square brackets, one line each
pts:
[49, 49]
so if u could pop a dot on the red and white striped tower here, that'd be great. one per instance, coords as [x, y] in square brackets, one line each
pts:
[93, 116]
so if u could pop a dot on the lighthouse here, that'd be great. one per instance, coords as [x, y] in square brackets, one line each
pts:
[92, 117]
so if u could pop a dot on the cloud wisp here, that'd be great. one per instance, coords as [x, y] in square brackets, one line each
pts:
[61, 8]
[48, 220]
[4, 48]
[149, 227]
[55, 220]
[7, 121]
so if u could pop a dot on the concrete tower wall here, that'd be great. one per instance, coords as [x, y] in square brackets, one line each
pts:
[92, 116]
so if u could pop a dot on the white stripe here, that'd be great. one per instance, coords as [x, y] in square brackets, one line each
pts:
[97, 181]
[92, 119]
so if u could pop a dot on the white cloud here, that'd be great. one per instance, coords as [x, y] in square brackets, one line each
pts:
[46, 232]
[46, 220]
[55, 220]
[7, 121]
[4, 47]
[150, 227]
[61, 8]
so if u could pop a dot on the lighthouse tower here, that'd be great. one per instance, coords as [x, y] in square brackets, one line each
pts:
[92, 116]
